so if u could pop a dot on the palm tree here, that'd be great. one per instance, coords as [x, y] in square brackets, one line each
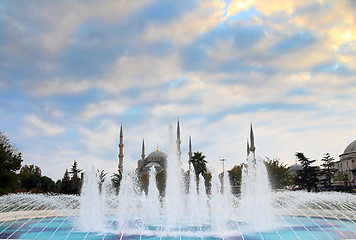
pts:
[199, 163]
[101, 175]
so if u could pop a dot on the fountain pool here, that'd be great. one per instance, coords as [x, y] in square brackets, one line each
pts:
[257, 214]
[188, 210]
[300, 215]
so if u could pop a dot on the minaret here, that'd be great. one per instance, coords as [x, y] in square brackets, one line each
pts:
[143, 149]
[190, 153]
[121, 150]
[248, 148]
[252, 141]
[179, 153]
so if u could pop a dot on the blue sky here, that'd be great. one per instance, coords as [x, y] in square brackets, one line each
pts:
[72, 71]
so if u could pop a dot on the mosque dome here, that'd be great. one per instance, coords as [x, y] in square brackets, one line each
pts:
[295, 167]
[293, 170]
[156, 155]
[350, 148]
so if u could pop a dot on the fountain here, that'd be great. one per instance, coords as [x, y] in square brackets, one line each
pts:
[183, 213]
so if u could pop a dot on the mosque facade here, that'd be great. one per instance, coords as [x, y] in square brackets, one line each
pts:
[157, 159]
[347, 162]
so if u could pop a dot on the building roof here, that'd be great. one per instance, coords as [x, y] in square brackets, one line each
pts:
[156, 154]
[295, 167]
[350, 148]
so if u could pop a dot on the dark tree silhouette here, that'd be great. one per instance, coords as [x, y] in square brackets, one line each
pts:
[328, 170]
[48, 185]
[30, 177]
[76, 181]
[10, 162]
[199, 163]
[116, 180]
[66, 185]
[307, 177]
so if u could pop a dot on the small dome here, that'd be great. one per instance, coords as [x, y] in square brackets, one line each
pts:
[351, 147]
[295, 167]
[156, 154]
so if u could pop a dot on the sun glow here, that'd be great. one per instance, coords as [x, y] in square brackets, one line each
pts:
[347, 36]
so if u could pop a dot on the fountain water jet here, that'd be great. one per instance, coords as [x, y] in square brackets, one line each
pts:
[256, 214]
[152, 207]
[255, 205]
[91, 217]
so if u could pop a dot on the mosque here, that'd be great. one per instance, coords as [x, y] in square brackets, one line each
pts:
[158, 159]
[347, 162]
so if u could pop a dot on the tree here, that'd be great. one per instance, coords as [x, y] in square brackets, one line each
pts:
[344, 177]
[161, 178]
[307, 177]
[207, 181]
[48, 185]
[199, 163]
[76, 181]
[10, 157]
[328, 170]
[235, 175]
[58, 185]
[101, 175]
[277, 173]
[30, 177]
[341, 176]
[66, 186]
[144, 179]
[10, 162]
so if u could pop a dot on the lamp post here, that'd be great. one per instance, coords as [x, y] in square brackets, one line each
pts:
[223, 176]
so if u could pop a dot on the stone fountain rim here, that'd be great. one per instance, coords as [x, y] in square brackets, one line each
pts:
[19, 215]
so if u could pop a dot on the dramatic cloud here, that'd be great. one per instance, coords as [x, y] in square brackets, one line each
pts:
[72, 71]
[207, 15]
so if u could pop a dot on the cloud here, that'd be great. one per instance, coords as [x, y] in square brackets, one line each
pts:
[294, 43]
[207, 15]
[347, 55]
[38, 127]
[59, 86]
[66, 16]
[103, 108]
[237, 6]
[72, 71]
[331, 23]
[166, 10]
[143, 71]
[226, 49]
[276, 6]
[101, 138]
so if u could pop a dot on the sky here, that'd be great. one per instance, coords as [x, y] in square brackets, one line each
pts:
[72, 71]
